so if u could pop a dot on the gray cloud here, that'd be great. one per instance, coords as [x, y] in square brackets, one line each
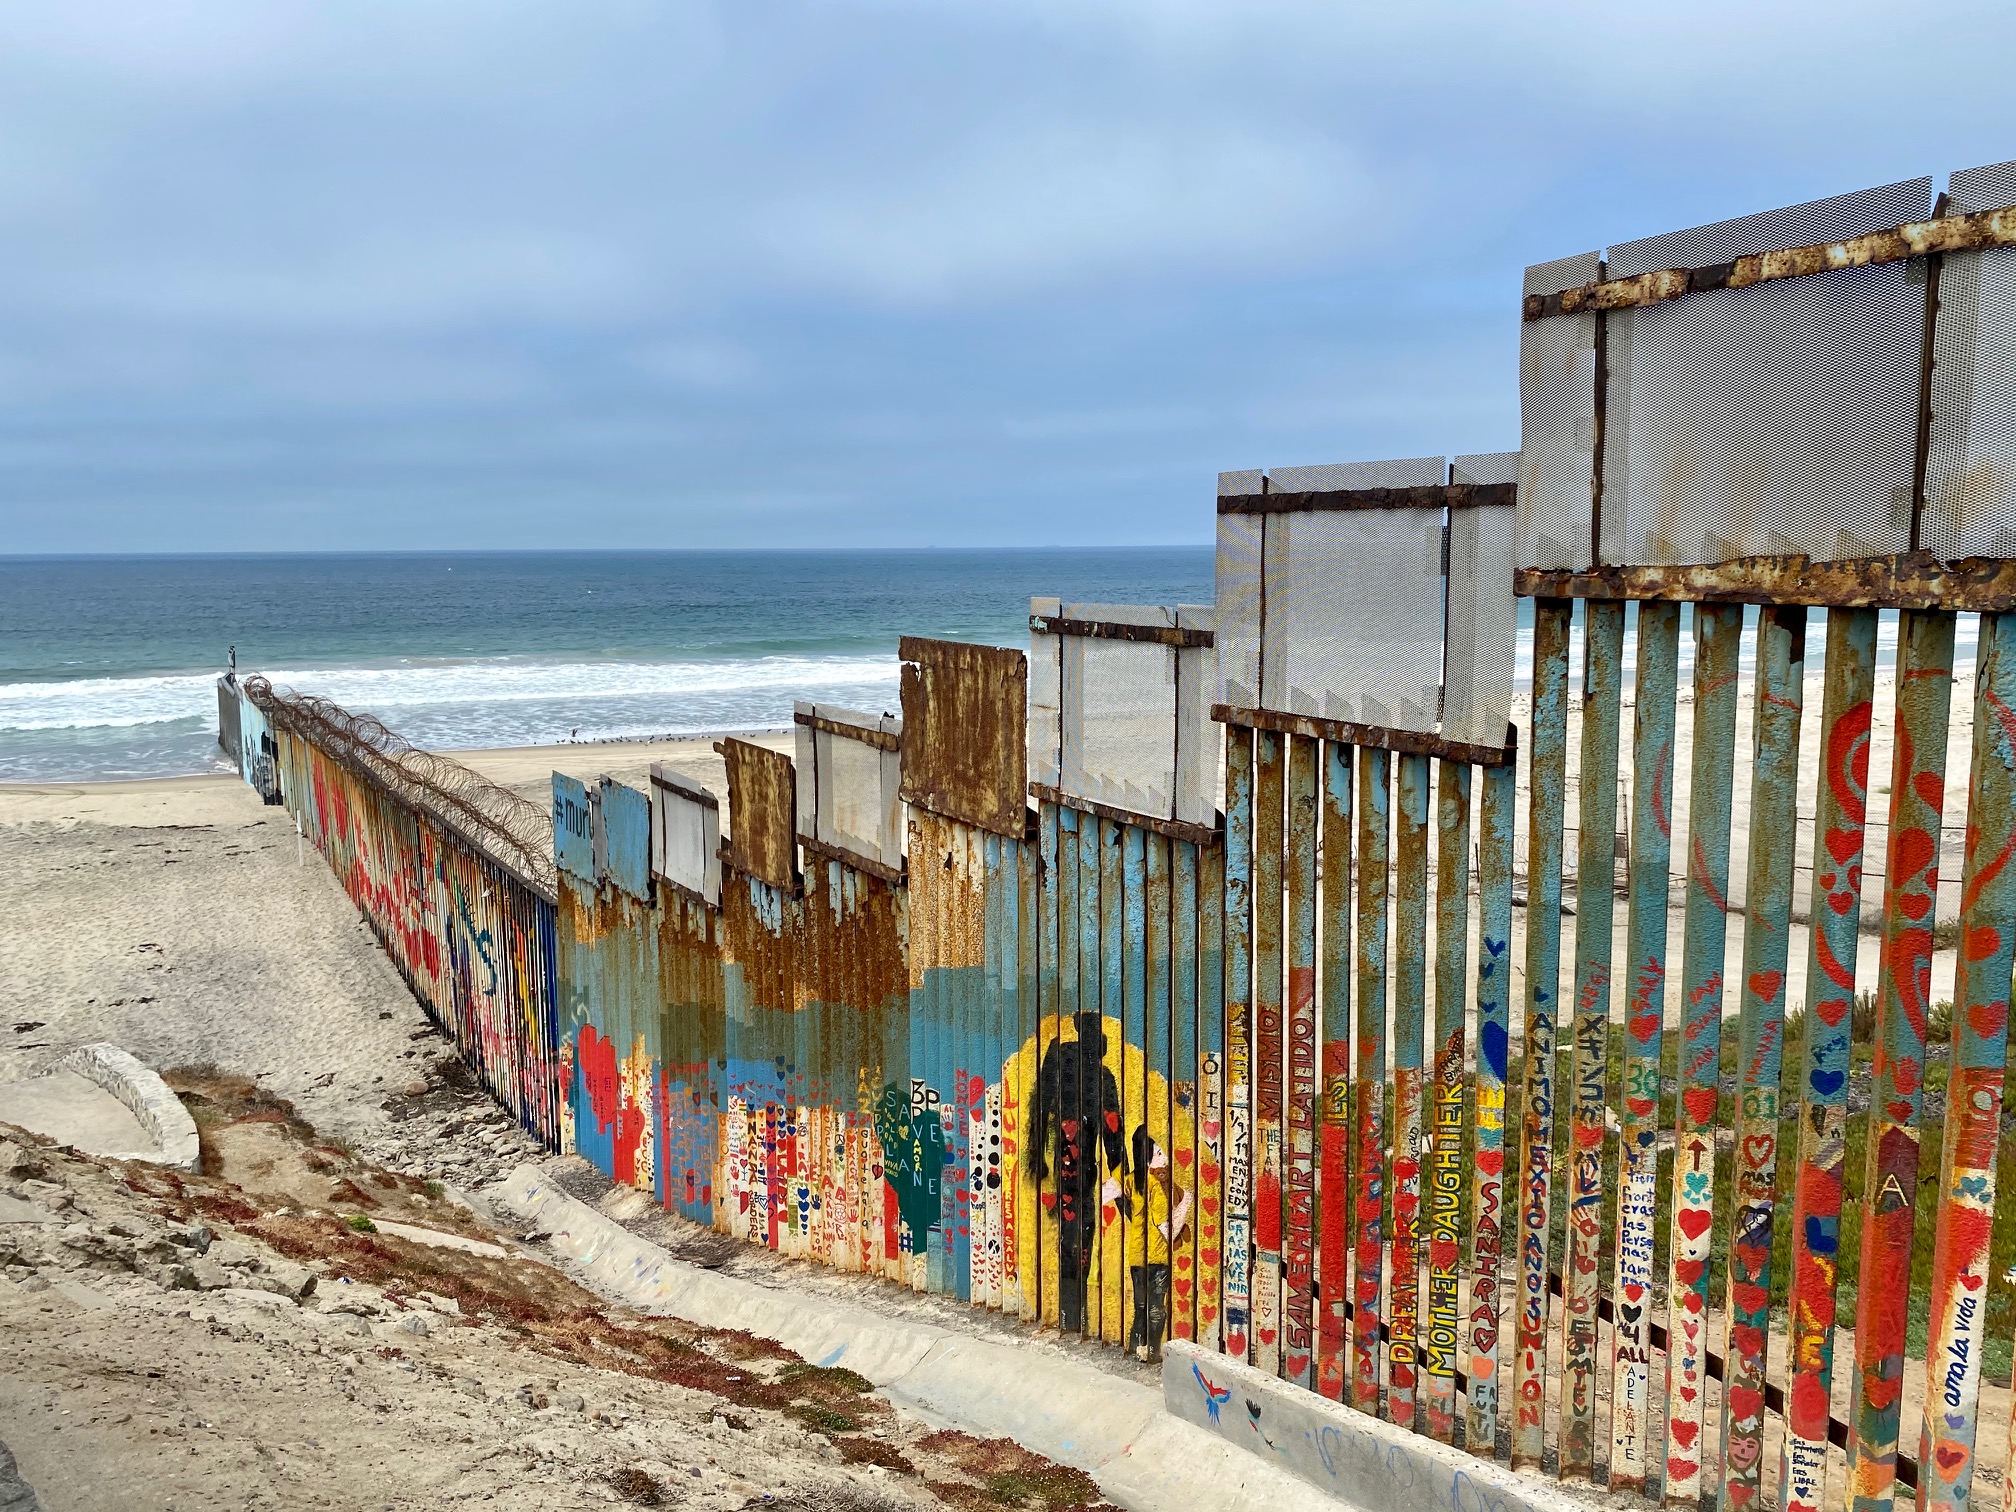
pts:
[887, 271]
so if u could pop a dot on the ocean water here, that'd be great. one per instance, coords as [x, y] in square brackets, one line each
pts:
[108, 664]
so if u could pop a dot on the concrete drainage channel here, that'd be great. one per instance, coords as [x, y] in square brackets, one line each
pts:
[1217, 1437]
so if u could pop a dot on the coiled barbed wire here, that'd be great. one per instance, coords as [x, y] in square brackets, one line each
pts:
[514, 830]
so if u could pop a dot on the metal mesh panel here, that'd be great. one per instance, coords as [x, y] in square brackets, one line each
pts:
[1120, 724]
[1970, 467]
[1557, 425]
[805, 753]
[1770, 420]
[1399, 472]
[1238, 579]
[856, 807]
[1045, 695]
[1314, 657]
[1196, 736]
[685, 835]
[1477, 661]
[1354, 616]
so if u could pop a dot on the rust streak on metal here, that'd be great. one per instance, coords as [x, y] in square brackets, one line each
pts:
[1423, 496]
[1406, 742]
[880, 739]
[814, 846]
[762, 803]
[965, 748]
[1952, 233]
[1157, 635]
[1904, 580]
[1175, 829]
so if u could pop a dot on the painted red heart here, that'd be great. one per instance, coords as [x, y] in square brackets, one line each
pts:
[1683, 1432]
[1841, 902]
[1764, 985]
[1759, 1150]
[1751, 1298]
[1680, 1469]
[1931, 789]
[1970, 1280]
[1745, 1402]
[1700, 1102]
[1692, 1302]
[1988, 1019]
[1633, 1291]
[1694, 1222]
[1983, 942]
[1950, 1457]
[1641, 1107]
[1915, 906]
[1911, 853]
[1688, 1272]
[1491, 1162]
[1644, 1026]
[1831, 1011]
[1843, 844]
[1688, 1393]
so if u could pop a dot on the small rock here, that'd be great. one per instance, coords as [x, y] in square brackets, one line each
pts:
[414, 1323]
[567, 1401]
[196, 1237]
[208, 1275]
[229, 1252]
[416, 1089]
[469, 1386]
[294, 1282]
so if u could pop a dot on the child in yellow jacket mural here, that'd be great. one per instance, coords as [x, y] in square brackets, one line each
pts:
[1167, 1208]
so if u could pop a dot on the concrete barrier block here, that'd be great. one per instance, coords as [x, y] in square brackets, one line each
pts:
[644, 1275]
[1178, 1465]
[156, 1109]
[1337, 1449]
[1078, 1417]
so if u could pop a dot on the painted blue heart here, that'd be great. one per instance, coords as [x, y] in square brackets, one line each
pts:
[1494, 1047]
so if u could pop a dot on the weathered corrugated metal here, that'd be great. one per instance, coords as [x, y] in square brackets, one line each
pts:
[1961, 1271]
[1655, 690]
[474, 938]
[1835, 914]
[1595, 888]
[1718, 635]
[1334, 1248]
[763, 799]
[1549, 777]
[1767, 929]
[1269, 789]
[1368, 1169]
[965, 746]
[1444, 1180]
[1409, 1035]
[1495, 857]
[1237, 1259]
[1299, 1241]
[1903, 1002]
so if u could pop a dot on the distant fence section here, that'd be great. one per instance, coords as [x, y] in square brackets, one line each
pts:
[453, 875]
[1202, 972]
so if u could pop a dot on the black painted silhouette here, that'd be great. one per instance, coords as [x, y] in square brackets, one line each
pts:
[1076, 1094]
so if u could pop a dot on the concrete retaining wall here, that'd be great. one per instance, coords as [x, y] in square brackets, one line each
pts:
[1116, 1430]
[1355, 1458]
[158, 1110]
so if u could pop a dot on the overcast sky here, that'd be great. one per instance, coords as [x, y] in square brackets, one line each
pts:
[299, 275]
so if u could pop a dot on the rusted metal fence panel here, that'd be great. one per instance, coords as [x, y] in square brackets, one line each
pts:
[435, 861]
[1363, 612]
[1114, 1069]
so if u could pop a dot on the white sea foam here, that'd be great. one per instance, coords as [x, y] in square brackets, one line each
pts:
[667, 691]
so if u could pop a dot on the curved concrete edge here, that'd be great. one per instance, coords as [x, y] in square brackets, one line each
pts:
[1115, 1429]
[1338, 1450]
[644, 1275]
[1174, 1464]
[158, 1110]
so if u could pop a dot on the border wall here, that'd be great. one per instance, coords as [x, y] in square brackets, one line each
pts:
[1202, 974]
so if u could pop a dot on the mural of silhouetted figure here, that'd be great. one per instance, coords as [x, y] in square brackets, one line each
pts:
[1076, 1094]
